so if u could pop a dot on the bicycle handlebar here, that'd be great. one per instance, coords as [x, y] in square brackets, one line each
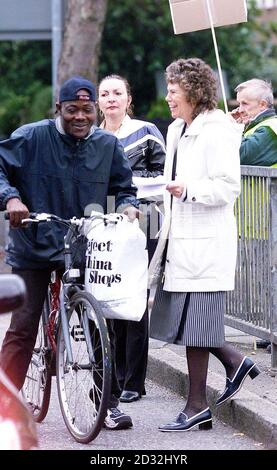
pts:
[35, 217]
[7, 215]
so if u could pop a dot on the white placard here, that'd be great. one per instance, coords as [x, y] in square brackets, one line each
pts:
[192, 15]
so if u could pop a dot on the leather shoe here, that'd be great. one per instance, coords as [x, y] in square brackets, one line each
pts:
[183, 423]
[246, 367]
[127, 396]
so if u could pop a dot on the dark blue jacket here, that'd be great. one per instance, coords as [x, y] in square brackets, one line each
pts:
[52, 172]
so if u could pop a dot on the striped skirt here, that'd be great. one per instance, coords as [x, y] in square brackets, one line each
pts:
[191, 319]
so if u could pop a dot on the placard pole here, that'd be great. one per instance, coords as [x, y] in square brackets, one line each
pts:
[217, 56]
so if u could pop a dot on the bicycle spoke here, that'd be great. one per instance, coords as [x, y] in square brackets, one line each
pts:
[37, 386]
[84, 384]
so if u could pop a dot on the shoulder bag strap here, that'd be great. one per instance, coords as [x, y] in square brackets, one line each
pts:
[173, 175]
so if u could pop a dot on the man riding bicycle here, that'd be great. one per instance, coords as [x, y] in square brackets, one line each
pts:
[61, 166]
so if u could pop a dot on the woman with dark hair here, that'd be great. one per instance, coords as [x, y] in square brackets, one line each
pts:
[200, 237]
[144, 147]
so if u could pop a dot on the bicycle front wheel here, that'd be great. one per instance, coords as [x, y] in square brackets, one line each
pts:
[37, 386]
[84, 382]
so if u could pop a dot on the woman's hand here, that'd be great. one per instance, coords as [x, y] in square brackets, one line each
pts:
[176, 188]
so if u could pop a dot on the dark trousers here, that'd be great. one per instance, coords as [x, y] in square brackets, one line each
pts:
[132, 337]
[131, 353]
[21, 336]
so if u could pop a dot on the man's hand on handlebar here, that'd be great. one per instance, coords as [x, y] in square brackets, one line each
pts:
[17, 211]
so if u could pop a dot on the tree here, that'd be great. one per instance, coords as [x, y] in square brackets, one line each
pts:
[22, 63]
[25, 70]
[82, 39]
[137, 41]
[143, 43]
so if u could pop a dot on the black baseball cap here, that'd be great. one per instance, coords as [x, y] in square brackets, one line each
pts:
[70, 88]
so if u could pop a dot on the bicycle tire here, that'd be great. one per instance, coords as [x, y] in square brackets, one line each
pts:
[84, 387]
[37, 386]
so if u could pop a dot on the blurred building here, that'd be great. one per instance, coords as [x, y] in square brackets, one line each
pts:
[269, 8]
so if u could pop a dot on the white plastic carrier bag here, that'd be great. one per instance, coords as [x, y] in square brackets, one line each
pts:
[117, 266]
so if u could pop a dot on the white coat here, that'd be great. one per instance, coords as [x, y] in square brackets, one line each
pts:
[202, 248]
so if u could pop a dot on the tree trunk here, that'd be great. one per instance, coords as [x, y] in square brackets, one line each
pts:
[82, 39]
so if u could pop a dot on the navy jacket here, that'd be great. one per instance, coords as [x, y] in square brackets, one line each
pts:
[52, 172]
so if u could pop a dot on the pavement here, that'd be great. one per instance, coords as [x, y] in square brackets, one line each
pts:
[252, 411]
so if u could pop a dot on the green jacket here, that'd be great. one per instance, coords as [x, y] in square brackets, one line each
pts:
[260, 147]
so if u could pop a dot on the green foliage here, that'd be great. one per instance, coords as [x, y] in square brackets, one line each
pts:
[16, 109]
[25, 68]
[138, 40]
[220, 105]
[12, 113]
[159, 109]
[41, 104]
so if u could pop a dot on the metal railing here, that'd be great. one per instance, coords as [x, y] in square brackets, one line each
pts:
[252, 306]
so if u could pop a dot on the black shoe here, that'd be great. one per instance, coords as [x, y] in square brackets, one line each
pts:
[262, 344]
[116, 419]
[183, 423]
[127, 396]
[247, 367]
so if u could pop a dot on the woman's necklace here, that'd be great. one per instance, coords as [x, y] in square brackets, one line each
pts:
[117, 130]
[114, 132]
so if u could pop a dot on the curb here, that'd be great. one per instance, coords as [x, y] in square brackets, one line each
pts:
[246, 412]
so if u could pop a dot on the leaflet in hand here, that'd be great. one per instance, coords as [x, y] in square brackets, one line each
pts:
[148, 187]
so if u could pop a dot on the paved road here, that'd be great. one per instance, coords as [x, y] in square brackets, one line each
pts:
[159, 406]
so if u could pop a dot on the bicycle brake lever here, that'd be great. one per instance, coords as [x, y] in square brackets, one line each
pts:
[43, 217]
[26, 221]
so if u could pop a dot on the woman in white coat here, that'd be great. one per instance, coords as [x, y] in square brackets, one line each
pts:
[203, 169]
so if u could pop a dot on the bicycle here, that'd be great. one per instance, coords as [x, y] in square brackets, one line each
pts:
[73, 344]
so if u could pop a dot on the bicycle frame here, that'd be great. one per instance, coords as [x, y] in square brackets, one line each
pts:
[61, 290]
[75, 333]
[62, 287]
[55, 287]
